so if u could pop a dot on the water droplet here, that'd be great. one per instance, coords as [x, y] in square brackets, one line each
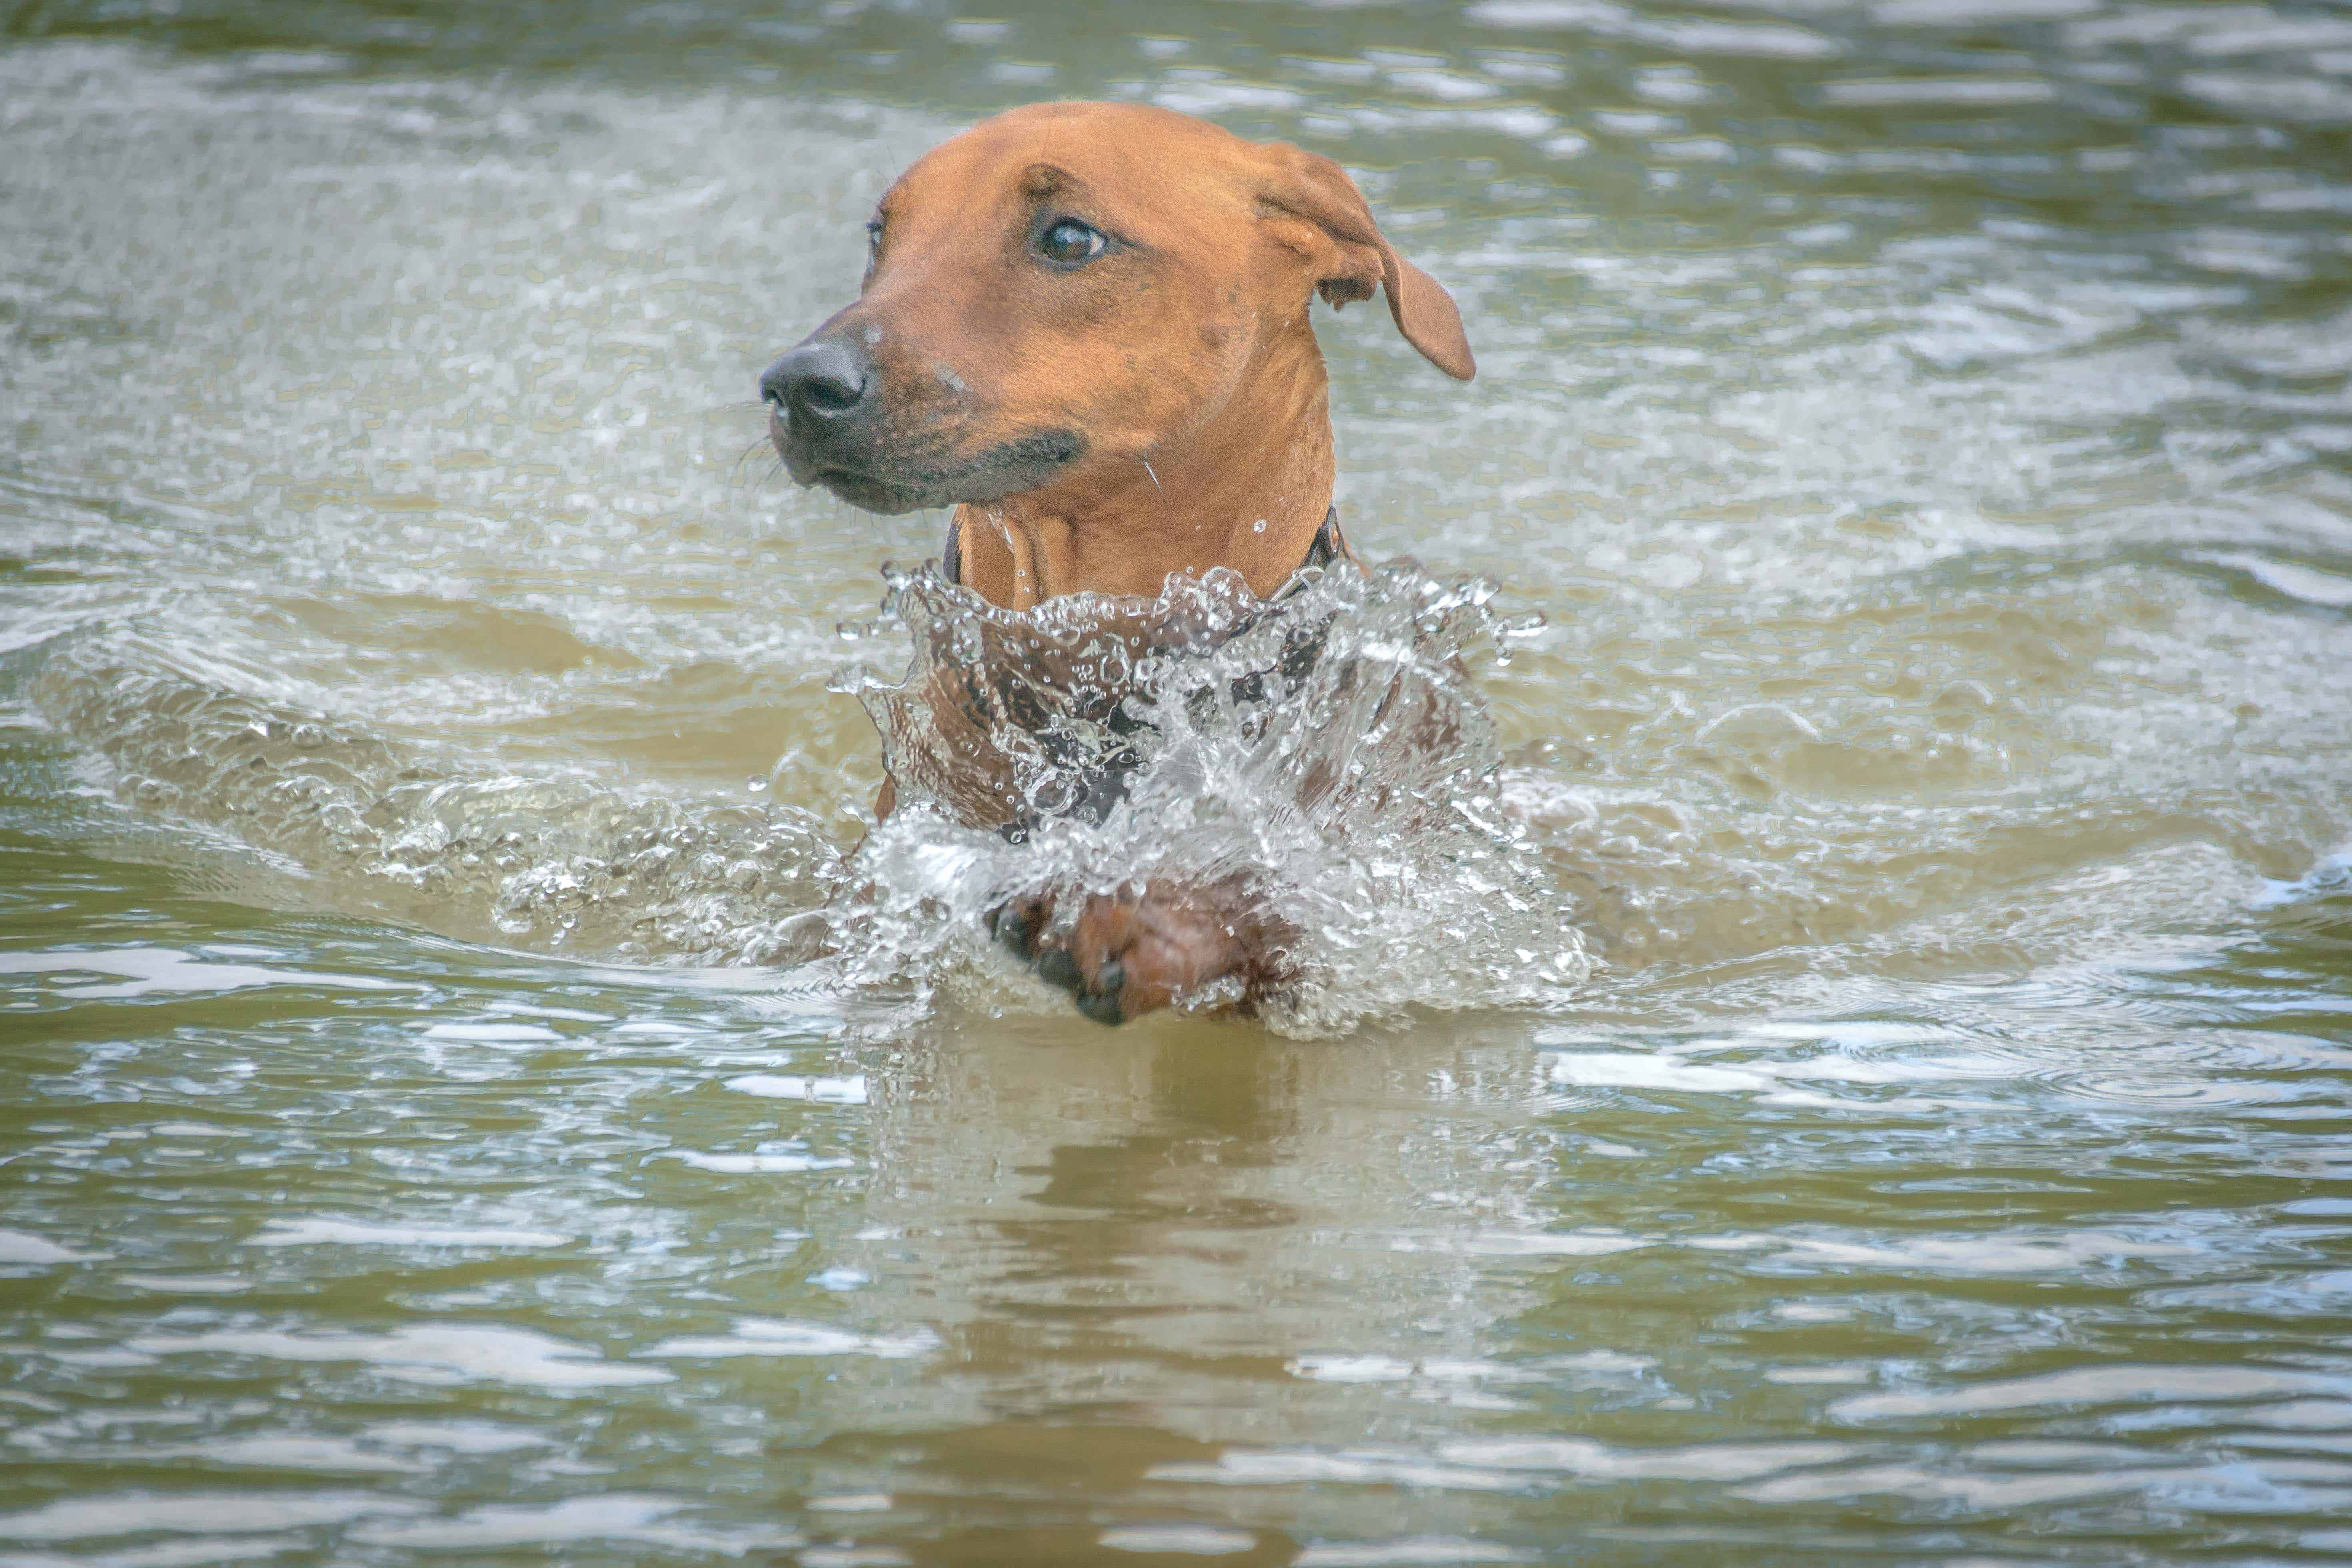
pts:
[755, 784]
[1259, 527]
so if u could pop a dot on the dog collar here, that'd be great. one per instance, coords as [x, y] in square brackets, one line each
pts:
[1326, 547]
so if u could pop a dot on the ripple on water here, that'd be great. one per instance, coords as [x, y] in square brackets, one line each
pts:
[646, 1518]
[764, 1163]
[22, 1250]
[238, 1515]
[74, 974]
[1406, 1551]
[2092, 1387]
[850, 1090]
[770, 1337]
[441, 1353]
[356, 1233]
[267, 1451]
[186, 1283]
[1503, 1465]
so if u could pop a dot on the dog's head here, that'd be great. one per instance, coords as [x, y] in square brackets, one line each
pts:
[1073, 286]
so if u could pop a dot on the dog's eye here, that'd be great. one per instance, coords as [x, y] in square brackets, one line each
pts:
[873, 238]
[1068, 242]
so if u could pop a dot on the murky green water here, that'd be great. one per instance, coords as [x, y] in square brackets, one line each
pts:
[427, 1134]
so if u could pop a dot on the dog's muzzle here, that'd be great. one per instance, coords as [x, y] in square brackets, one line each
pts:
[830, 420]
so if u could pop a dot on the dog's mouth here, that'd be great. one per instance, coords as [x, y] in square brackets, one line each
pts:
[903, 483]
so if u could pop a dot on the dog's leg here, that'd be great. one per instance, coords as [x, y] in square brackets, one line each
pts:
[1134, 952]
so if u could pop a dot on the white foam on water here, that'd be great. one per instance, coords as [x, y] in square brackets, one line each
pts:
[455, 1437]
[284, 1451]
[641, 1517]
[356, 1233]
[423, 1352]
[148, 969]
[21, 1247]
[2018, 1250]
[1978, 13]
[1405, 1551]
[1597, 14]
[1463, 1380]
[848, 1090]
[1627, 1070]
[106, 1514]
[1737, 40]
[190, 1553]
[1957, 93]
[1595, 1460]
[2305, 584]
[1177, 1540]
[1354, 1467]
[855, 1557]
[186, 1283]
[2296, 34]
[2089, 1387]
[773, 1164]
[1351, 1368]
[494, 1034]
[1520, 1243]
[784, 1337]
[1824, 1376]
[1964, 1493]
[1505, 1463]
[2300, 1415]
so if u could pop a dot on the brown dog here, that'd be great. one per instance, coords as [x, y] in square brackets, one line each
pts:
[1088, 321]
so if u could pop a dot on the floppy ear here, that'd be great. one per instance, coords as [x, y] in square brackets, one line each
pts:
[1322, 214]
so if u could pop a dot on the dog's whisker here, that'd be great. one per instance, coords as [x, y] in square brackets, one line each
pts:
[744, 458]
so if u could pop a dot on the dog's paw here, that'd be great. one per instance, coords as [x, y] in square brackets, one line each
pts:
[1022, 926]
[1128, 955]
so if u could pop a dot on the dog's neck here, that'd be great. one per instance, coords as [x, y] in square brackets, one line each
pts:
[1247, 489]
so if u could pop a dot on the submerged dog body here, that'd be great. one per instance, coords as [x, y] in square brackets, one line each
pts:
[1085, 327]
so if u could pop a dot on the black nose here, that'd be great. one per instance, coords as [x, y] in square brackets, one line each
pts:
[821, 380]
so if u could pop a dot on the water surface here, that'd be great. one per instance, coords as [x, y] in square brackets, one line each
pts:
[434, 1126]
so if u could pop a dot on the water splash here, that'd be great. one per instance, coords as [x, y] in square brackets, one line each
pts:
[1329, 752]
[1326, 751]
